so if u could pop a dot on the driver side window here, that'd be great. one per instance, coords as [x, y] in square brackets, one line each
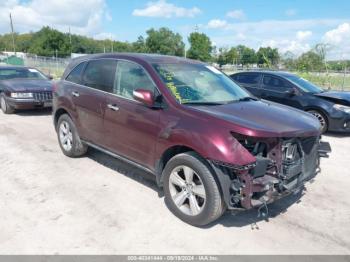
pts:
[129, 77]
[275, 84]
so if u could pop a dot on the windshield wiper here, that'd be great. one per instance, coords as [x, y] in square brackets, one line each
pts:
[202, 103]
[248, 98]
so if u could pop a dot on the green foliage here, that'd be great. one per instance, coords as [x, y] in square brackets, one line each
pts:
[267, 56]
[47, 41]
[164, 41]
[200, 47]
[246, 55]
[310, 61]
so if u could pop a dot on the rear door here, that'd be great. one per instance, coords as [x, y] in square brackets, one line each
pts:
[131, 128]
[90, 97]
[250, 81]
[277, 89]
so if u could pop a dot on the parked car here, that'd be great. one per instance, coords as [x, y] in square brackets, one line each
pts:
[209, 143]
[24, 88]
[331, 108]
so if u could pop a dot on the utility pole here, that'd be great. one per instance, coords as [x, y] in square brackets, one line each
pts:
[13, 35]
[70, 42]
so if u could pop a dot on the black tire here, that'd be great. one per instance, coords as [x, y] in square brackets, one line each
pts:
[77, 148]
[213, 206]
[321, 118]
[5, 107]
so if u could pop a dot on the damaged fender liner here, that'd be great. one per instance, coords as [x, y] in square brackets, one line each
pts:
[265, 181]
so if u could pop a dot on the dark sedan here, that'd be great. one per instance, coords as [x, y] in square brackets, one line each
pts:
[332, 108]
[24, 88]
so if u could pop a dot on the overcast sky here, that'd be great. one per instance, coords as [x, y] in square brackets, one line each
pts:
[289, 25]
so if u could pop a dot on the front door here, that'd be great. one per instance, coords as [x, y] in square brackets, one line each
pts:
[279, 90]
[131, 128]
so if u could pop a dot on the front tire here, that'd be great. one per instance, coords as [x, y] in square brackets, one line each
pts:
[5, 107]
[321, 118]
[68, 137]
[191, 191]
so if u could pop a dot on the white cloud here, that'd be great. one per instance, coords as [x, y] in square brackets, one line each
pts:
[303, 35]
[84, 16]
[217, 23]
[286, 45]
[163, 9]
[338, 35]
[291, 12]
[339, 39]
[237, 14]
[297, 36]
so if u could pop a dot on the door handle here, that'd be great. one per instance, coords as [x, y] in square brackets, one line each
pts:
[75, 93]
[113, 107]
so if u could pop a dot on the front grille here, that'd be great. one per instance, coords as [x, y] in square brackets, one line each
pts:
[42, 96]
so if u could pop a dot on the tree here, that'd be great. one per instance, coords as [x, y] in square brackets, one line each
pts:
[310, 61]
[246, 55]
[164, 41]
[48, 41]
[267, 56]
[200, 47]
[140, 45]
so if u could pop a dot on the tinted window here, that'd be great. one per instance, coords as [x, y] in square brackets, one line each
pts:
[250, 79]
[99, 74]
[275, 84]
[304, 84]
[75, 75]
[12, 73]
[129, 77]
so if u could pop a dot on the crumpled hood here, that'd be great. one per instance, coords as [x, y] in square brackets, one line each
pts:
[336, 96]
[265, 119]
[27, 85]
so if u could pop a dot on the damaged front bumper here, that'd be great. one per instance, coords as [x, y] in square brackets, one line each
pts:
[282, 169]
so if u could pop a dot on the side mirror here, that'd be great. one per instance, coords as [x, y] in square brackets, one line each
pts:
[50, 77]
[144, 96]
[291, 92]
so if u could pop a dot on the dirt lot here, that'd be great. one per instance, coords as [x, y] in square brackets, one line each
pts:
[51, 204]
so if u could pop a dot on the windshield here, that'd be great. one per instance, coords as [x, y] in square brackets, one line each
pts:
[304, 84]
[13, 73]
[199, 84]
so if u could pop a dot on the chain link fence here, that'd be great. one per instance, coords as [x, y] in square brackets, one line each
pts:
[49, 65]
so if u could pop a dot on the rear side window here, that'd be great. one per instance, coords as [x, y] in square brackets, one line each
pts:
[275, 84]
[75, 75]
[249, 79]
[99, 74]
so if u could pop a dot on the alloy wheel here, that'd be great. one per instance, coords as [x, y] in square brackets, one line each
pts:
[320, 118]
[66, 135]
[187, 190]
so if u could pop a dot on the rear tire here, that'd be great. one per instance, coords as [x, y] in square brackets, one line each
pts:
[5, 107]
[321, 118]
[191, 191]
[68, 137]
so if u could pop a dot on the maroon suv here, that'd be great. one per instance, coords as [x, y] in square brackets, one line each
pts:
[210, 144]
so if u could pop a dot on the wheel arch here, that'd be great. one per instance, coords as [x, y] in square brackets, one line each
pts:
[59, 112]
[173, 151]
[167, 155]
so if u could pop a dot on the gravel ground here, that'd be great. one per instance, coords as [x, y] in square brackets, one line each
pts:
[51, 204]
